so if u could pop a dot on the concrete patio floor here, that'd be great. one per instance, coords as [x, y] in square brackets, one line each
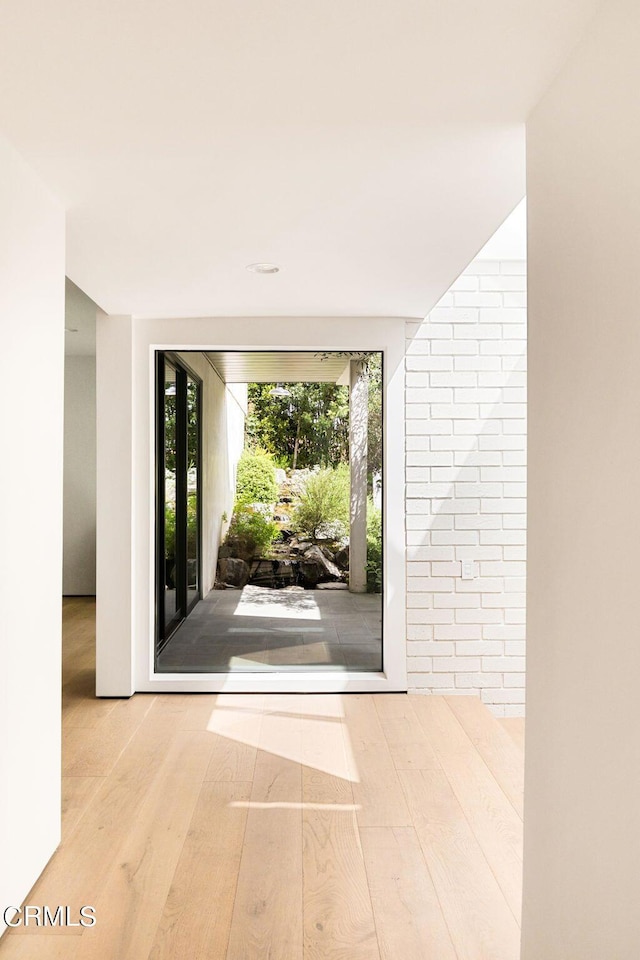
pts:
[259, 629]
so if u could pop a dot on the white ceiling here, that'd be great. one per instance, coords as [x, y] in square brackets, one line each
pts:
[368, 148]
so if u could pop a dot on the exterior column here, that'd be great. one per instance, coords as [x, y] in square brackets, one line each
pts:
[358, 423]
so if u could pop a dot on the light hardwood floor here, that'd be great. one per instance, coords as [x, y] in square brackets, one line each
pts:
[323, 827]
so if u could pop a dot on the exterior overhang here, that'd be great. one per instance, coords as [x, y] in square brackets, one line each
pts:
[280, 366]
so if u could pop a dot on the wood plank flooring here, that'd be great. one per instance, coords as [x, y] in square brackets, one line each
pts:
[515, 728]
[323, 827]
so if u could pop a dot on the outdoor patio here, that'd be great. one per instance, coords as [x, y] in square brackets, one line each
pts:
[260, 629]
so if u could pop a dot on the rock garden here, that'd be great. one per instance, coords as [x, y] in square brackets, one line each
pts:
[290, 529]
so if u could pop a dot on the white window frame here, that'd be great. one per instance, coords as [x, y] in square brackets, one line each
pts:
[358, 334]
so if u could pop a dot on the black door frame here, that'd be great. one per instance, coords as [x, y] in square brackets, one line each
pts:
[164, 632]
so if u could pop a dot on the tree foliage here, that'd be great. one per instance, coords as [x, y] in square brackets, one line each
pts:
[309, 428]
[192, 427]
[324, 502]
[374, 548]
[374, 435]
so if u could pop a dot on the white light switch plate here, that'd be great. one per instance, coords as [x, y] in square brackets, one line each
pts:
[469, 569]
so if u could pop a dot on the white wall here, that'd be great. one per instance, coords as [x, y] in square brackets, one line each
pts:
[115, 487]
[126, 490]
[582, 790]
[466, 489]
[223, 416]
[79, 532]
[236, 418]
[32, 314]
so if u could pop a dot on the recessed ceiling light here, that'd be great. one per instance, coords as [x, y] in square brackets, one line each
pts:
[263, 268]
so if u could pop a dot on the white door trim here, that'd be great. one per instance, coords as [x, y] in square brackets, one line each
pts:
[359, 333]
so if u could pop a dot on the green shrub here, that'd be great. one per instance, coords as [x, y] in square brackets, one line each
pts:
[374, 548]
[192, 526]
[281, 461]
[256, 478]
[324, 503]
[170, 529]
[249, 534]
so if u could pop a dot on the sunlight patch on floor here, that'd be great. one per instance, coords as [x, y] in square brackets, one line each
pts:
[302, 805]
[308, 730]
[279, 604]
[300, 654]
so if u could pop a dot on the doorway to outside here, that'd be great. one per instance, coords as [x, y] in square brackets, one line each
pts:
[269, 511]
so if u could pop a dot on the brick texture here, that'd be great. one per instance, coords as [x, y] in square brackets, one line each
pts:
[466, 489]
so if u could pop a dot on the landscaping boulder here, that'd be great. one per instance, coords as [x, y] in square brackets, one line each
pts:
[342, 558]
[328, 553]
[298, 544]
[233, 571]
[315, 567]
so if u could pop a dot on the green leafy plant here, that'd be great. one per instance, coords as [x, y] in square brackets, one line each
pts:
[256, 478]
[170, 529]
[192, 524]
[374, 548]
[324, 503]
[249, 534]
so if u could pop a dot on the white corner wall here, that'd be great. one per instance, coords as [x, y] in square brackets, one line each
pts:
[466, 489]
[79, 536]
[582, 784]
[32, 312]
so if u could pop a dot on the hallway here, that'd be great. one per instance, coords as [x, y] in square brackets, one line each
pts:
[368, 827]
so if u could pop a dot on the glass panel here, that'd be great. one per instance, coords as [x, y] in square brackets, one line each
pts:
[193, 467]
[170, 605]
[294, 500]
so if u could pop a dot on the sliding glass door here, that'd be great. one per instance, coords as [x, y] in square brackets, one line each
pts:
[178, 393]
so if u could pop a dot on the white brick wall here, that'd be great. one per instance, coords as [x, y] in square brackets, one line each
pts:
[466, 489]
